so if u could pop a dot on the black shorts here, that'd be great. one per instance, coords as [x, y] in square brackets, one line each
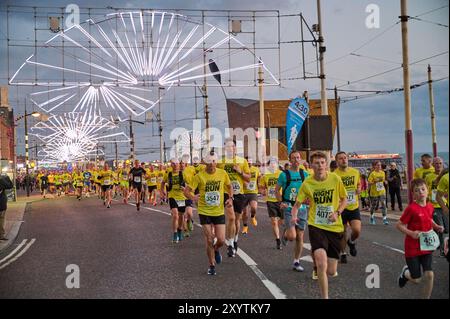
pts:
[215, 220]
[173, 204]
[137, 186]
[44, 187]
[152, 188]
[106, 187]
[414, 264]
[330, 241]
[239, 202]
[250, 197]
[349, 215]
[274, 210]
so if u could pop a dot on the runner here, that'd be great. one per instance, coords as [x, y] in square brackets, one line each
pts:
[189, 172]
[377, 180]
[66, 179]
[58, 183]
[442, 199]
[268, 185]
[212, 183]
[288, 185]
[438, 216]
[161, 173]
[152, 184]
[87, 177]
[124, 182]
[238, 172]
[327, 196]
[51, 182]
[426, 168]
[106, 177]
[44, 184]
[251, 197]
[136, 175]
[351, 216]
[178, 202]
[420, 240]
[78, 179]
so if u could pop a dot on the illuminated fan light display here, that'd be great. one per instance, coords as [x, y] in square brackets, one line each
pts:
[114, 61]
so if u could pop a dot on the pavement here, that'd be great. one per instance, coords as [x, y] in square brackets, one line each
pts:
[122, 253]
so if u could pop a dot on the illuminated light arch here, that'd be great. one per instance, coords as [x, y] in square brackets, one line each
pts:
[116, 60]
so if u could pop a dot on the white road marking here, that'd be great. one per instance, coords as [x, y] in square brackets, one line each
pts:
[14, 251]
[389, 247]
[272, 287]
[23, 251]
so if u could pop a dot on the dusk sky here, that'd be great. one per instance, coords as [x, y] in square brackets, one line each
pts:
[354, 52]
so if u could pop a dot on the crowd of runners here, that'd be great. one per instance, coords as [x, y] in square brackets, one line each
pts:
[314, 197]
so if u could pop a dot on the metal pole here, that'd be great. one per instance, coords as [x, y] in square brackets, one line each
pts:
[322, 49]
[131, 140]
[161, 141]
[14, 158]
[262, 126]
[337, 101]
[433, 115]
[117, 154]
[205, 101]
[407, 98]
[307, 130]
[27, 177]
[190, 146]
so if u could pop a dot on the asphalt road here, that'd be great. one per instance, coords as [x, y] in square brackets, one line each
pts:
[122, 253]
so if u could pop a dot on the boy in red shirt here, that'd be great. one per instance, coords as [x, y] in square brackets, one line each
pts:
[420, 241]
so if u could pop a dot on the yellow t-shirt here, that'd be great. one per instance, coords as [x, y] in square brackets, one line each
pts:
[376, 181]
[51, 179]
[443, 184]
[324, 199]
[432, 189]
[78, 179]
[189, 172]
[65, 178]
[236, 179]
[152, 178]
[423, 172]
[124, 174]
[350, 178]
[211, 191]
[160, 178]
[176, 192]
[252, 186]
[269, 182]
[106, 177]
[199, 168]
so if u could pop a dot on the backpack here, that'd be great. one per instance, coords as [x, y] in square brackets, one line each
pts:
[289, 180]
[180, 175]
[5, 182]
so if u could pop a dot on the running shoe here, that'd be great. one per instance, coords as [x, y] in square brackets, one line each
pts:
[335, 275]
[385, 221]
[245, 230]
[211, 271]
[230, 251]
[175, 238]
[138, 206]
[217, 257]
[314, 275]
[109, 206]
[344, 258]
[254, 221]
[278, 244]
[352, 247]
[296, 266]
[402, 280]
[372, 220]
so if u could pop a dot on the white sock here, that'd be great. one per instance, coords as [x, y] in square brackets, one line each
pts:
[296, 261]
[236, 238]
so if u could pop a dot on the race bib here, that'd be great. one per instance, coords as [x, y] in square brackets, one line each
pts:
[251, 186]
[433, 195]
[181, 203]
[107, 182]
[137, 179]
[351, 197]
[272, 193]
[293, 195]
[236, 187]
[379, 186]
[429, 241]
[153, 180]
[322, 213]
[212, 198]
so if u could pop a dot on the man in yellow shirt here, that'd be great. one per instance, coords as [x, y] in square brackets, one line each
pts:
[212, 183]
[327, 197]
[152, 184]
[251, 197]
[106, 177]
[188, 172]
[268, 188]
[426, 168]
[351, 216]
[239, 173]
[178, 202]
[377, 182]
[161, 173]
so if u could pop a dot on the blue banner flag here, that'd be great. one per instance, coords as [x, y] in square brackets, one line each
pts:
[296, 115]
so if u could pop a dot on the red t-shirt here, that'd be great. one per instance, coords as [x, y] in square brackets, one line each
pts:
[418, 218]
